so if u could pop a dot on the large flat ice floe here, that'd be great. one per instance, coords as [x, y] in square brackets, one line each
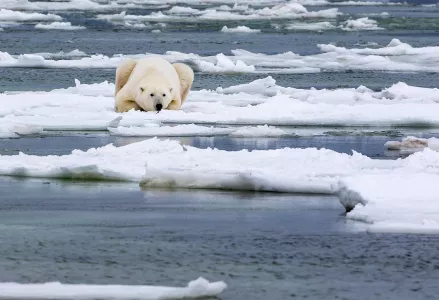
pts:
[386, 195]
[262, 102]
[200, 288]
[395, 201]
[395, 56]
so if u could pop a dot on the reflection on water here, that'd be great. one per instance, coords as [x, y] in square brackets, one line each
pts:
[370, 145]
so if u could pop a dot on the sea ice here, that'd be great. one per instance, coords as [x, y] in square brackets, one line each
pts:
[396, 56]
[10, 15]
[262, 102]
[395, 201]
[411, 144]
[199, 288]
[59, 26]
[240, 29]
[360, 24]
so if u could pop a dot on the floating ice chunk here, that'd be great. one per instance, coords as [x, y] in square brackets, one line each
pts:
[259, 131]
[59, 26]
[225, 65]
[182, 10]
[264, 86]
[135, 25]
[360, 24]
[412, 144]
[240, 29]
[397, 201]
[318, 26]
[10, 15]
[199, 288]
[17, 130]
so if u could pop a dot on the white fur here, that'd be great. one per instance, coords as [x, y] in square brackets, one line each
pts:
[144, 83]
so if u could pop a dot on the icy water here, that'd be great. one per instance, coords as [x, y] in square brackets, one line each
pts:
[264, 246]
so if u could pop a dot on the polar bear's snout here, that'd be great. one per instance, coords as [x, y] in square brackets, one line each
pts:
[158, 107]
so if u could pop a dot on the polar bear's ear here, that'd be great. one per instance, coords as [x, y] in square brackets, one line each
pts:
[142, 90]
[170, 90]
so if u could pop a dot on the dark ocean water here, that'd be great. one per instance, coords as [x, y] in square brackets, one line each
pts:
[264, 246]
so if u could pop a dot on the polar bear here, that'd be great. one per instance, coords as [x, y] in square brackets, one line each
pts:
[151, 84]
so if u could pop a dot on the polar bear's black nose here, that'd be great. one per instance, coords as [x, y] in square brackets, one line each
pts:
[158, 107]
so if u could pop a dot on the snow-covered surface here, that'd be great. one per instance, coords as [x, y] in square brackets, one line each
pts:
[396, 201]
[59, 26]
[396, 56]
[199, 288]
[240, 29]
[10, 15]
[411, 144]
[261, 102]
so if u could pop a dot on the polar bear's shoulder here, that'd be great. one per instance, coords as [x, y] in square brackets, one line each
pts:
[123, 72]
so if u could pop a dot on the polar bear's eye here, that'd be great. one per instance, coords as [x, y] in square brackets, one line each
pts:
[164, 95]
[152, 95]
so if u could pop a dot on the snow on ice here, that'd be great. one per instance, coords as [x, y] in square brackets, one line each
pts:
[262, 102]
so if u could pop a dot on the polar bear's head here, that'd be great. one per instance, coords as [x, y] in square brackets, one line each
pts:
[153, 96]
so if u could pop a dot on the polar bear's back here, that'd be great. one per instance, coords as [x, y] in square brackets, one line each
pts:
[154, 66]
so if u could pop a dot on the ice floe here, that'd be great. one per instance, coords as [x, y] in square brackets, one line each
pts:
[261, 102]
[360, 24]
[317, 26]
[167, 163]
[59, 26]
[395, 201]
[11, 15]
[396, 56]
[412, 144]
[288, 10]
[63, 5]
[240, 29]
[199, 288]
